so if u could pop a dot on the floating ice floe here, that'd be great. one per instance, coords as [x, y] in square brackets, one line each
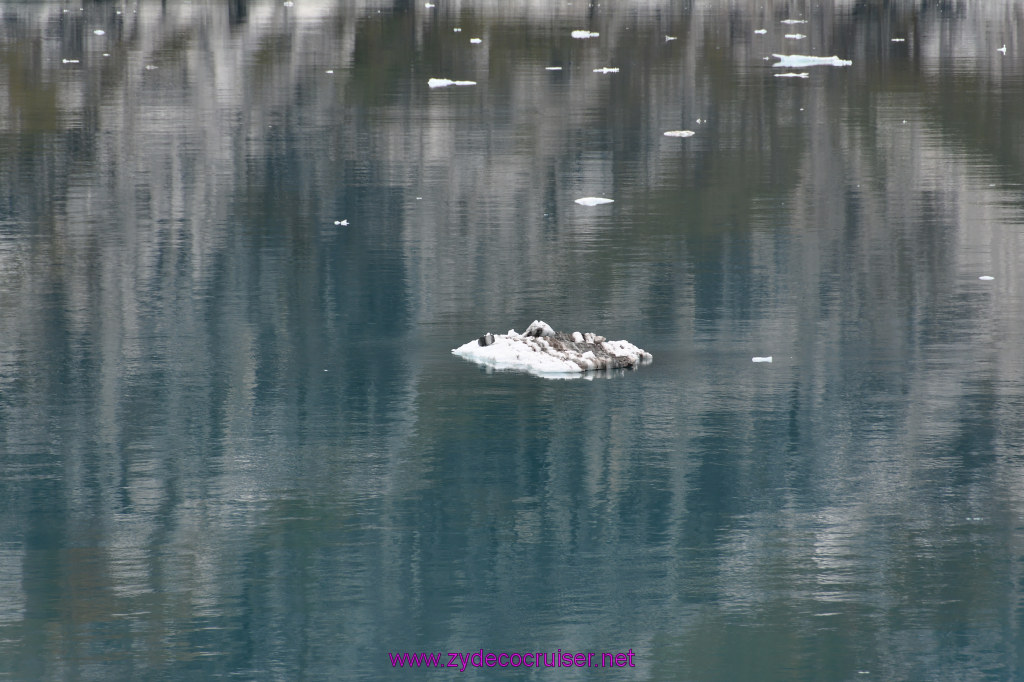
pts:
[800, 61]
[986, 278]
[760, 31]
[758, 358]
[99, 32]
[582, 35]
[541, 350]
[795, 36]
[679, 133]
[70, 61]
[552, 68]
[1002, 49]
[607, 69]
[670, 38]
[341, 222]
[329, 71]
[794, 21]
[897, 40]
[445, 82]
[593, 201]
[802, 74]
[457, 30]
[476, 41]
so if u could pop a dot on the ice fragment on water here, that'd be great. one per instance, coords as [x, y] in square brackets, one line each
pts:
[987, 278]
[593, 201]
[607, 69]
[758, 358]
[761, 31]
[457, 30]
[341, 222]
[795, 36]
[794, 21]
[802, 74]
[668, 38]
[329, 71]
[1002, 49]
[584, 34]
[289, 3]
[679, 133]
[70, 61]
[798, 61]
[476, 41]
[897, 40]
[99, 32]
[552, 68]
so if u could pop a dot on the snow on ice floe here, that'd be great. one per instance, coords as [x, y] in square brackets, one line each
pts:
[593, 201]
[757, 358]
[445, 82]
[541, 350]
[800, 61]
[583, 35]
[679, 133]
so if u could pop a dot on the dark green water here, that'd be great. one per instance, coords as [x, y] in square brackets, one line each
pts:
[234, 443]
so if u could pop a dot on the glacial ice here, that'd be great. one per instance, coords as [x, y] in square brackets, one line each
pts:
[542, 351]
[800, 61]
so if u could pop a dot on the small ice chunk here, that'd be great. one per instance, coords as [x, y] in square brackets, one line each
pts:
[476, 41]
[70, 61]
[445, 82]
[795, 36]
[897, 40]
[607, 69]
[760, 31]
[758, 358]
[329, 71]
[552, 68]
[593, 201]
[794, 21]
[802, 74]
[670, 38]
[429, 5]
[1002, 49]
[99, 32]
[457, 30]
[577, 337]
[799, 61]
[539, 328]
[289, 3]
[583, 35]
[151, 67]
[986, 278]
[341, 222]
[679, 133]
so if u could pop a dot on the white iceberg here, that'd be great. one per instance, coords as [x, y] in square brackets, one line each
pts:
[445, 82]
[679, 133]
[583, 35]
[541, 350]
[801, 61]
[593, 201]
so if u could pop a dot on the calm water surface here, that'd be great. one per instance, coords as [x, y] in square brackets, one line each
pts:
[234, 442]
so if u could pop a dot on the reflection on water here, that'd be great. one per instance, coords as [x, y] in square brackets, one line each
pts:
[234, 442]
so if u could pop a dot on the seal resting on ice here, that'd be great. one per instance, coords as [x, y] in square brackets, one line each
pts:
[542, 350]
